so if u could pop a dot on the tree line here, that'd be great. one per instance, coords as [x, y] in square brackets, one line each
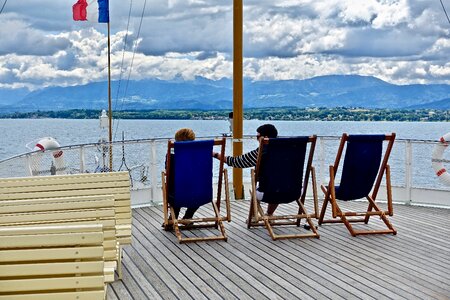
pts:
[278, 113]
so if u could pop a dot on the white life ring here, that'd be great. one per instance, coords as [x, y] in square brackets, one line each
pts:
[437, 160]
[48, 144]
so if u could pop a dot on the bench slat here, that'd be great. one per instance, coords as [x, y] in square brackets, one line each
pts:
[55, 204]
[53, 240]
[79, 295]
[32, 269]
[57, 215]
[54, 253]
[43, 284]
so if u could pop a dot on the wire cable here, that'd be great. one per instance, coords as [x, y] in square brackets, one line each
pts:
[132, 59]
[121, 65]
[3, 6]
[445, 12]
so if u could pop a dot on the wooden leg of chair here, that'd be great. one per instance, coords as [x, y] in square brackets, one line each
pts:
[309, 221]
[369, 209]
[382, 216]
[324, 205]
[227, 195]
[314, 185]
[299, 212]
[175, 224]
[344, 220]
[250, 213]
[389, 191]
[165, 212]
[252, 210]
[266, 222]
[219, 221]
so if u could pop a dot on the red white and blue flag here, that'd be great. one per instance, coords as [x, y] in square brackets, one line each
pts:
[94, 11]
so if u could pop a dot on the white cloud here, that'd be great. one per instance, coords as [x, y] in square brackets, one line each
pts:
[401, 41]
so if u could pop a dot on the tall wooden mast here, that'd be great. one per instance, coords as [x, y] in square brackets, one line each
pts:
[237, 93]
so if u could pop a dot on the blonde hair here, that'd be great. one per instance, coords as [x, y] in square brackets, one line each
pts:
[184, 134]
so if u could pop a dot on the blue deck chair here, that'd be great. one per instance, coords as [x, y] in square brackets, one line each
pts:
[282, 176]
[188, 179]
[362, 172]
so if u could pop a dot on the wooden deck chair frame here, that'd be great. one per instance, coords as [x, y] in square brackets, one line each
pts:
[348, 217]
[194, 223]
[256, 215]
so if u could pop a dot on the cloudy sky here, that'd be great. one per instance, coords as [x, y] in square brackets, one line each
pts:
[400, 41]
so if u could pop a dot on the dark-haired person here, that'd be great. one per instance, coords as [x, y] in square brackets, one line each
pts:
[249, 159]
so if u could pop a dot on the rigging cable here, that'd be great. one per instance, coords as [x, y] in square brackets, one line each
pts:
[123, 59]
[3, 6]
[445, 12]
[134, 54]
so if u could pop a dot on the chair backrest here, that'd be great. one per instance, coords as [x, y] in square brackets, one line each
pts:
[362, 161]
[191, 173]
[281, 163]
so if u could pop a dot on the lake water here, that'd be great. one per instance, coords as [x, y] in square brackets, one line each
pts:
[16, 133]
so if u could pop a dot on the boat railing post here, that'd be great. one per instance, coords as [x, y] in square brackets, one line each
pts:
[28, 161]
[153, 171]
[408, 170]
[82, 161]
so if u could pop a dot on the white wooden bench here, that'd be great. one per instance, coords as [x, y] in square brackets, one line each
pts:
[68, 210]
[87, 184]
[52, 262]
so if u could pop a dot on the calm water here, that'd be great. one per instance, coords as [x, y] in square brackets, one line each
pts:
[16, 133]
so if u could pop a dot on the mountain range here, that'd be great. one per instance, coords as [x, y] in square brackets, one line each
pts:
[201, 93]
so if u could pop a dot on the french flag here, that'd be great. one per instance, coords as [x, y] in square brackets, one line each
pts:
[94, 11]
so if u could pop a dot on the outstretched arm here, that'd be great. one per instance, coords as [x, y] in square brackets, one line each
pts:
[246, 160]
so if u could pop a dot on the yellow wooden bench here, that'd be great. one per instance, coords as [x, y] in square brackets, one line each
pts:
[68, 210]
[52, 262]
[87, 184]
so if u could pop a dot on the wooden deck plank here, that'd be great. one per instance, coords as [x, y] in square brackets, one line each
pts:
[190, 258]
[164, 255]
[413, 264]
[334, 272]
[227, 268]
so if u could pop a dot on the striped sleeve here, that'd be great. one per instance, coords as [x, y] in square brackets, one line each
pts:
[246, 160]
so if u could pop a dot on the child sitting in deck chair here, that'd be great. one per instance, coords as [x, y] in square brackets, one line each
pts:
[183, 134]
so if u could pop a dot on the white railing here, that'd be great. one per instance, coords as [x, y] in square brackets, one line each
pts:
[413, 179]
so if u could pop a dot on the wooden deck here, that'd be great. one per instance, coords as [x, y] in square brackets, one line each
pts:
[414, 264]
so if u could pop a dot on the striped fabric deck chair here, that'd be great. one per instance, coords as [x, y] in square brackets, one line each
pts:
[362, 172]
[188, 182]
[282, 176]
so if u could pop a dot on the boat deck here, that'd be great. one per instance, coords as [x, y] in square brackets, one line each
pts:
[414, 264]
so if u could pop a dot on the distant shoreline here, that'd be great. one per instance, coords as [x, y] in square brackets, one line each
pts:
[280, 114]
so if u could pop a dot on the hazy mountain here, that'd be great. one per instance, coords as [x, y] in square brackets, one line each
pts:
[11, 96]
[443, 104]
[202, 93]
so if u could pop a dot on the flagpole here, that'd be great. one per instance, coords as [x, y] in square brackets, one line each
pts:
[109, 102]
